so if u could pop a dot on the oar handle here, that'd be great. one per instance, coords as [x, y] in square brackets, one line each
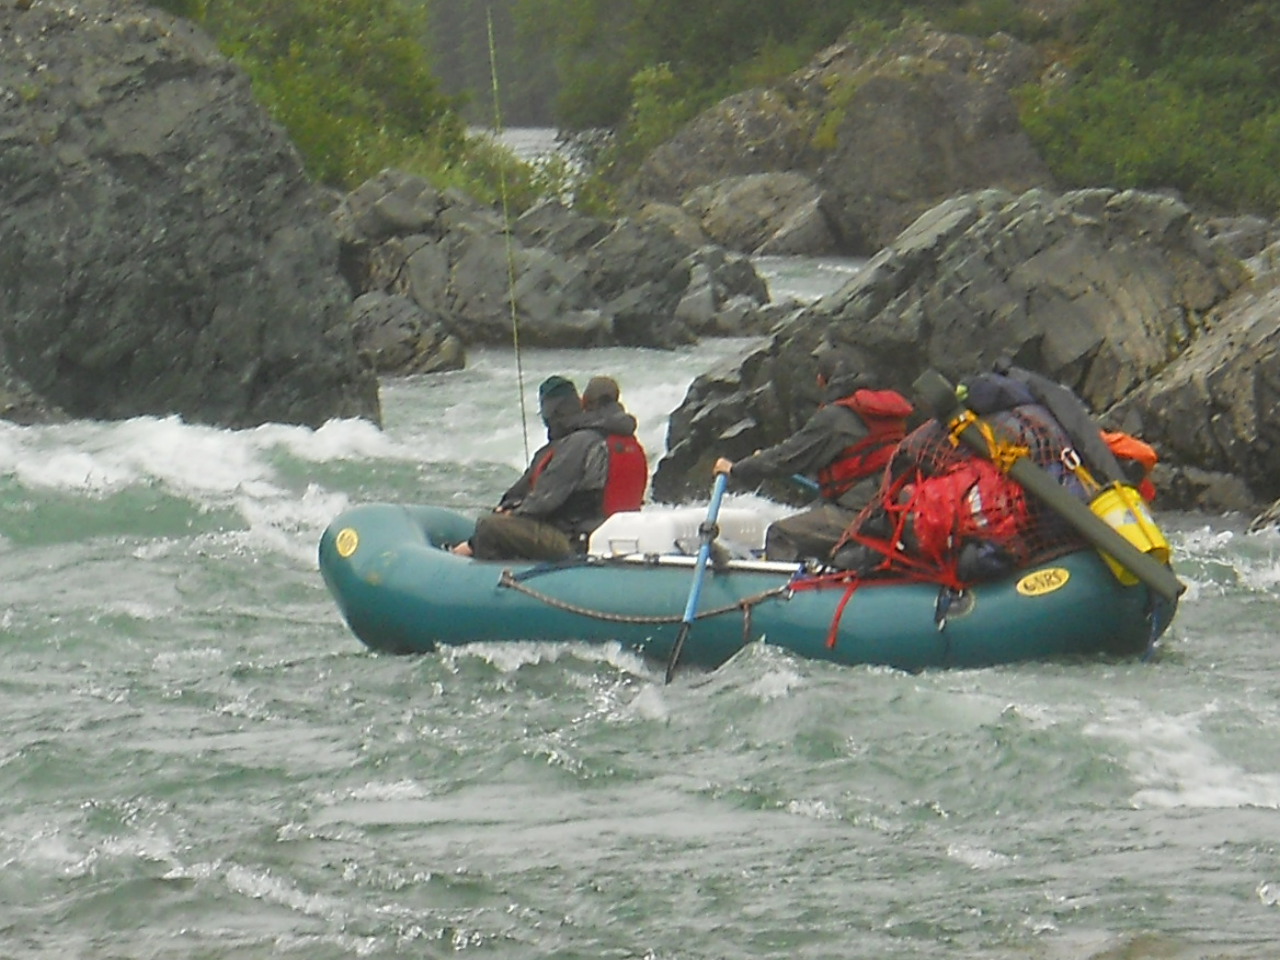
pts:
[938, 396]
[805, 483]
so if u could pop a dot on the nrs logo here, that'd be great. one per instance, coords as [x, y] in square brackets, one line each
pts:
[1043, 581]
[346, 542]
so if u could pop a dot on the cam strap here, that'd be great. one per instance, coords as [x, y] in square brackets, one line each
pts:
[833, 633]
[1002, 453]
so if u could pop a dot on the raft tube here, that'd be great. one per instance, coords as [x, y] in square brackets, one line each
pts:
[401, 591]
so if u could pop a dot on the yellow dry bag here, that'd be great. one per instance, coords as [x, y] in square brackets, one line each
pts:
[1123, 509]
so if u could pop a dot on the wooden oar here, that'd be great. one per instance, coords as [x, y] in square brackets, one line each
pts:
[938, 396]
[706, 534]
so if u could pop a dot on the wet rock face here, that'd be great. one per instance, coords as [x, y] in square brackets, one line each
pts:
[1116, 294]
[565, 279]
[161, 248]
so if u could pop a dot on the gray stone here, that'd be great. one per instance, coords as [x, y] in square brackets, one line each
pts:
[1109, 292]
[576, 281]
[401, 338]
[161, 249]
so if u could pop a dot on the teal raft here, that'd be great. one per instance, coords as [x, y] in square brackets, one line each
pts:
[401, 591]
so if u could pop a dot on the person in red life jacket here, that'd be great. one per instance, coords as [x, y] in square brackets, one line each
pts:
[549, 512]
[628, 475]
[845, 445]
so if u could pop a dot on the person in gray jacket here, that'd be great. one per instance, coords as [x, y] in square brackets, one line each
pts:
[549, 512]
[844, 446]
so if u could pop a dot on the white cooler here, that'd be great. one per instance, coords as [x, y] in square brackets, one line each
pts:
[663, 532]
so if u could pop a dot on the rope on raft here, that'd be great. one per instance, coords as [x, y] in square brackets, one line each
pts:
[509, 580]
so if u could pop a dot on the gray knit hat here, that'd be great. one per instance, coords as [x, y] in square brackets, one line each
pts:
[600, 390]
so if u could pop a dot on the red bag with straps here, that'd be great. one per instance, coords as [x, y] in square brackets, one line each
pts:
[973, 499]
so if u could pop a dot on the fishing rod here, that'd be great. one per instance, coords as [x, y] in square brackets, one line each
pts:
[506, 232]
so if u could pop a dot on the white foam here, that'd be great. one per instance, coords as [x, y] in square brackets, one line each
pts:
[649, 704]
[813, 809]
[187, 459]
[434, 424]
[978, 858]
[509, 656]
[400, 790]
[1174, 765]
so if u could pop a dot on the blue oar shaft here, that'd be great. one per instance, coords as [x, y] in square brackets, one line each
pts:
[804, 483]
[704, 551]
[707, 534]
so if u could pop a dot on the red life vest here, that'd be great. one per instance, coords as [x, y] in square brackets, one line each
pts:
[540, 466]
[885, 413]
[628, 474]
[627, 477]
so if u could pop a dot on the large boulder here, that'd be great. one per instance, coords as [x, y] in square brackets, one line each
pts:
[756, 131]
[767, 214]
[918, 125]
[1217, 408]
[872, 137]
[161, 248]
[400, 338]
[1102, 290]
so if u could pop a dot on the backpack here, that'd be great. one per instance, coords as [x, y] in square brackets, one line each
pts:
[972, 500]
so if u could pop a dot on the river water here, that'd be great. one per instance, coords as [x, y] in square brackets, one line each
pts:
[200, 761]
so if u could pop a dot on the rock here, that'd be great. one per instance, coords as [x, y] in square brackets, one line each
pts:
[577, 281]
[1102, 290]
[858, 145]
[401, 338]
[921, 123]
[1240, 237]
[685, 227]
[756, 131]
[763, 213]
[1267, 519]
[1216, 407]
[161, 248]
[552, 225]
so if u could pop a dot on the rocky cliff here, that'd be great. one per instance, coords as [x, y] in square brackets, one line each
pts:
[1117, 294]
[161, 249]
[878, 134]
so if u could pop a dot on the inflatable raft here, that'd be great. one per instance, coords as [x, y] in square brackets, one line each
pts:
[401, 591]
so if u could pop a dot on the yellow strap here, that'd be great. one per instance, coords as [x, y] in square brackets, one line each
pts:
[1002, 453]
[959, 424]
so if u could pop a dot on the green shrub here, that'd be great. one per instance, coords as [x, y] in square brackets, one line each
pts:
[352, 84]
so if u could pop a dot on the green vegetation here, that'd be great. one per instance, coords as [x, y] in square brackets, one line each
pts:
[1170, 93]
[1157, 93]
[352, 83]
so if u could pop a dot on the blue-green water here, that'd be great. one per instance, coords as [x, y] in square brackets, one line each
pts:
[199, 761]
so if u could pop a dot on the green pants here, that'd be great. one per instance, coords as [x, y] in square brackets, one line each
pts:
[809, 534]
[505, 536]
